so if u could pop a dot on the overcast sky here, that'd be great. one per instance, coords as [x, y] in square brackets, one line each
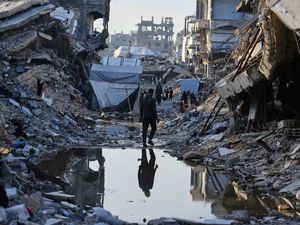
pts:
[125, 14]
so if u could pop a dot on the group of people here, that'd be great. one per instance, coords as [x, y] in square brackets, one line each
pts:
[148, 112]
[166, 94]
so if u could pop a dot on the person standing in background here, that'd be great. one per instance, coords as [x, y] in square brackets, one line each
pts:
[171, 94]
[158, 92]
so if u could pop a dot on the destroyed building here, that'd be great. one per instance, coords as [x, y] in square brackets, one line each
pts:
[178, 46]
[121, 39]
[210, 35]
[156, 36]
[265, 82]
[89, 18]
[23, 25]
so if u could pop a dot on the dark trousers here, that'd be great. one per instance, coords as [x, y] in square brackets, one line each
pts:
[158, 98]
[146, 123]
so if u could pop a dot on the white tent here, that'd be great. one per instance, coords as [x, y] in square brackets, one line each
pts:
[116, 87]
[135, 52]
[120, 61]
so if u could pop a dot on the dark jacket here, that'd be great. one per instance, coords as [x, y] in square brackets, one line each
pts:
[158, 90]
[148, 108]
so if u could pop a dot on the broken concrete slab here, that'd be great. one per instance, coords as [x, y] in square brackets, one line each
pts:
[18, 210]
[229, 87]
[18, 42]
[13, 102]
[292, 188]
[59, 196]
[55, 136]
[217, 137]
[296, 148]
[3, 215]
[287, 11]
[289, 124]
[45, 36]
[226, 151]
[69, 205]
[22, 18]
[26, 111]
[9, 8]
[11, 192]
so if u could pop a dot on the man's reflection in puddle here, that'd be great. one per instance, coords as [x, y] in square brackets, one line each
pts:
[147, 171]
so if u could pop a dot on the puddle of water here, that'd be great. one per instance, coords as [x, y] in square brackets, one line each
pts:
[169, 197]
[132, 185]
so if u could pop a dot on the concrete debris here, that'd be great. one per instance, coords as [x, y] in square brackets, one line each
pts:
[53, 221]
[217, 222]
[3, 216]
[59, 196]
[18, 211]
[226, 151]
[243, 120]
[11, 192]
[292, 188]
[289, 124]
[9, 8]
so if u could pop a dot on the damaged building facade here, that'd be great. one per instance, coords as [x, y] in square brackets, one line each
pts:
[210, 35]
[266, 83]
[156, 36]
[89, 18]
[120, 39]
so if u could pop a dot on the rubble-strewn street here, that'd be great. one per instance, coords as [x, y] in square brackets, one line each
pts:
[72, 101]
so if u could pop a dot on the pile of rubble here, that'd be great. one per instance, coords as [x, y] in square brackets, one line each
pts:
[251, 129]
[44, 109]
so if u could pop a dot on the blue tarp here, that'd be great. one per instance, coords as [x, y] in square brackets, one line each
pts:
[191, 85]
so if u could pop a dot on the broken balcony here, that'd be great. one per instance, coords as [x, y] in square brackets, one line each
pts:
[233, 84]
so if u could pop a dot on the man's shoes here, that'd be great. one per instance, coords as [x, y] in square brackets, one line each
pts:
[150, 142]
[144, 145]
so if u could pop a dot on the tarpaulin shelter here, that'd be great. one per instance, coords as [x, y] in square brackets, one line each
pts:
[191, 85]
[120, 61]
[135, 52]
[116, 87]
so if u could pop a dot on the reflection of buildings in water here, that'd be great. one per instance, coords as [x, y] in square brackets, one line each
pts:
[88, 184]
[231, 202]
[214, 185]
[207, 183]
[56, 166]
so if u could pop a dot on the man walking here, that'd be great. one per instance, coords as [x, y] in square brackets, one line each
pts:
[148, 116]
